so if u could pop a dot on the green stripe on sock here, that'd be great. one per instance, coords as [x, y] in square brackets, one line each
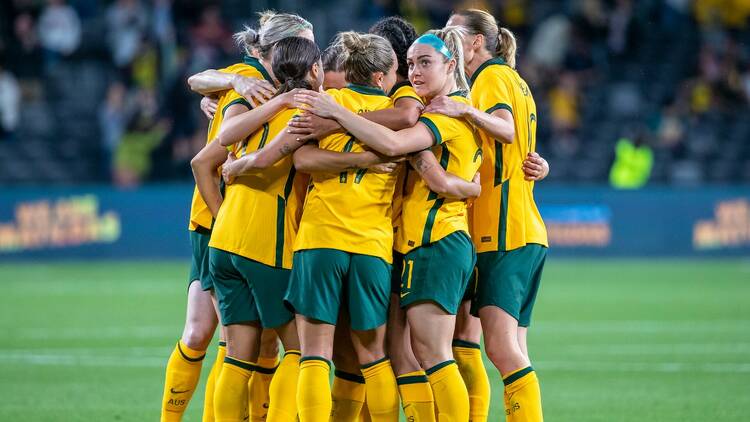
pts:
[466, 344]
[240, 364]
[349, 376]
[321, 358]
[371, 364]
[439, 366]
[263, 370]
[188, 358]
[518, 375]
[223, 343]
[411, 379]
[293, 352]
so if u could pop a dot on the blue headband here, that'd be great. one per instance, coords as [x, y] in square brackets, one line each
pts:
[435, 42]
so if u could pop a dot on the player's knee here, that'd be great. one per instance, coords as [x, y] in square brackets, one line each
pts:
[504, 356]
[269, 346]
[198, 336]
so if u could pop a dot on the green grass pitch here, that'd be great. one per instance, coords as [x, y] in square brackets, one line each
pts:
[611, 340]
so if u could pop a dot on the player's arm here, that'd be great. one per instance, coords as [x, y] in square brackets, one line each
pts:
[402, 115]
[498, 124]
[440, 181]
[204, 166]
[282, 145]
[211, 81]
[376, 136]
[309, 158]
[238, 127]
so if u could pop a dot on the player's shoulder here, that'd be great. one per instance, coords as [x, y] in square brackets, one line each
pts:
[404, 90]
[492, 70]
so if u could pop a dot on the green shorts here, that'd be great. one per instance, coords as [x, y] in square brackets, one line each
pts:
[324, 278]
[249, 291]
[439, 272]
[199, 263]
[398, 267]
[510, 280]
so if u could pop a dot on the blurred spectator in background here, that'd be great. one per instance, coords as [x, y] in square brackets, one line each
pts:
[633, 162]
[113, 116]
[24, 49]
[144, 133]
[210, 41]
[59, 30]
[127, 22]
[10, 102]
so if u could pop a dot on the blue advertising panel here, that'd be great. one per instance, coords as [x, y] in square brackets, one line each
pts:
[151, 222]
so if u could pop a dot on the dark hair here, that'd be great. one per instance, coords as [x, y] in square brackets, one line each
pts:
[401, 34]
[292, 59]
[332, 57]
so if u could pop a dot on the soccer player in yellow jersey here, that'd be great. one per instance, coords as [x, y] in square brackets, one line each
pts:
[183, 368]
[273, 28]
[434, 225]
[507, 229]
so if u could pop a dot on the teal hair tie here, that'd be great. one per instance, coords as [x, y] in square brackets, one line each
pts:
[435, 42]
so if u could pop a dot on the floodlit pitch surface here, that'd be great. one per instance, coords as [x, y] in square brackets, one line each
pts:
[611, 340]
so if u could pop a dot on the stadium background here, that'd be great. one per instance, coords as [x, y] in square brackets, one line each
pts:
[645, 309]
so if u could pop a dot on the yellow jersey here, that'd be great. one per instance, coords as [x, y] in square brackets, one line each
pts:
[200, 215]
[426, 217]
[254, 220]
[505, 216]
[351, 210]
[401, 90]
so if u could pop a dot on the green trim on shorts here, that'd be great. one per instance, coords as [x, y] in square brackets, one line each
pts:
[510, 280]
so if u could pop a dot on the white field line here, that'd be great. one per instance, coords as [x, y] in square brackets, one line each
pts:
[706, 348]
[643, 326]
[668, 367]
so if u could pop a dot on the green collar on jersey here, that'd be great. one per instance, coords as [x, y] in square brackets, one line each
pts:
[398, 86]
[488, 63]
[367, 90]
[252, 61]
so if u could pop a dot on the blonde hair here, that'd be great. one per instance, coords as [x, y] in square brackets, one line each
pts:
[364, 54]
[452, 36]
[273, 27]
[499, 41]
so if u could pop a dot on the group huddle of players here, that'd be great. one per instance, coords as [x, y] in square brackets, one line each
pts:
[381, 226]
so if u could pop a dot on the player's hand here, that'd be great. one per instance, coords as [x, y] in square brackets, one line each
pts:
[227, 172]
[208, 106]
[310, 126]
[446, 106]
[535, 168]
[383, 168]
[318, 103]
[287, 98]
[257, 91]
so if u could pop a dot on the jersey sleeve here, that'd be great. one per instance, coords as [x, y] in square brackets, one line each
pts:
[406, 91]
[230, 98]
[493, 91]
[442, 127]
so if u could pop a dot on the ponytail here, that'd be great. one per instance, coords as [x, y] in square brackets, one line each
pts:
[506, 47]
[292, 59]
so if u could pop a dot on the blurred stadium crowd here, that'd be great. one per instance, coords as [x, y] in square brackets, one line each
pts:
[94, 91]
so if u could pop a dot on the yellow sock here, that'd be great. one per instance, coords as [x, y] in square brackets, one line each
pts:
[208, 400]
[364, 415]
[523, 399]
[451, 397]
[230, 398]
[348, 395]
[314, 390]
[382, 391]
[416, 397]
[182, 375]
[257, 387]
[469, 359]
[283, 405]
